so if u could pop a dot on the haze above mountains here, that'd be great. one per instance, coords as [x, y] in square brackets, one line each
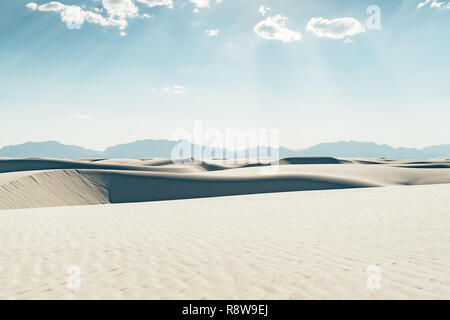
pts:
[162, 149]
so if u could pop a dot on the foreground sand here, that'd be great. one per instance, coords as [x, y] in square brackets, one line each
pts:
[293, 245]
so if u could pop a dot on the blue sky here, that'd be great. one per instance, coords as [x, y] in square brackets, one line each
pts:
[99, 73]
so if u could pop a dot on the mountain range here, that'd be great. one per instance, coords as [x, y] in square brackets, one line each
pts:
[162, 149]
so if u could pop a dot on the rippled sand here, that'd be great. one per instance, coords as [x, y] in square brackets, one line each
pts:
[293, 245]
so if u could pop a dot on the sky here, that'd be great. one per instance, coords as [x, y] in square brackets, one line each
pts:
[97, 73]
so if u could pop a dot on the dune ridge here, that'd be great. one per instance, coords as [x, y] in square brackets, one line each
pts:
[31, 183]
[52, 188]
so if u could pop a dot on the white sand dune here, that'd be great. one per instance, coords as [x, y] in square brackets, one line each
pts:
[293, 245]
[31, 183]
[16, 165]
[76, 187]
[309, 230]
[50, 188]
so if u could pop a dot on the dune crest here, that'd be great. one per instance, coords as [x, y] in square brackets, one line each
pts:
[31, 183]
[52, 188]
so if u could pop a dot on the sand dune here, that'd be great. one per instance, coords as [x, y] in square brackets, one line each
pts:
[51, 188]
[53, 164]
[76, 187]
[35, 183]
[316, 239]
[311, 160]
[293, 245]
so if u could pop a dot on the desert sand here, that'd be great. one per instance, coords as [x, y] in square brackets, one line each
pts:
[221, 230]
[32, 183]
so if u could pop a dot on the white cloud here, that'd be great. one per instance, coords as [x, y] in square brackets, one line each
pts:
[422, 4]
[75, 17]
[33, 6]
[51, 6]
[263, 10]
[200, 3]
[117, 12]
[123, 34]
[440, 5]
[177, 89]
[434, 4]
[336, 28]
[80, 116]
[158, 3]
[121, 9]
[212, 33]
[273, 28]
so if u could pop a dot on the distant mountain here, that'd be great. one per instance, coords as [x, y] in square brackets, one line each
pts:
[443, 149]
[362, 149]
[163, 149]
[142, 149]
[355, 149]
[48, 149]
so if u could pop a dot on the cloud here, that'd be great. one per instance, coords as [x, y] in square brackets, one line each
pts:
[200, 3]
[422, 4]
[434, 4]
[336, 28]
[440, 5]
[263, 10]
[158, 3]
[212, 33]
[80, 116]
[273, 28]
[75, 16]
[120, 9]
[33, 6]
[117, 12]
[177, 89]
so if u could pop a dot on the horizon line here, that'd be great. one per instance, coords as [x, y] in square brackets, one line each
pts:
[223, 147]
